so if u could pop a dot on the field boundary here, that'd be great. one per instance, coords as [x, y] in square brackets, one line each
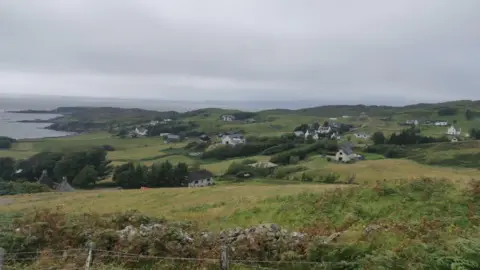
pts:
[90, 257]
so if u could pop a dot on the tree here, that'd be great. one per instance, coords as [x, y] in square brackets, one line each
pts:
[73, 162]
[6, 142]
[180, 175]
[302, 127]
[325, 124]
[7, 168]
[475, 134]
[316, 125]
[125, 176]
[33, 167]
[87, 177]
[378, 138]
[468, 114]
[447, 111]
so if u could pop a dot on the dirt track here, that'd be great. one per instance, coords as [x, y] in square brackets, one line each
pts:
[5, 201]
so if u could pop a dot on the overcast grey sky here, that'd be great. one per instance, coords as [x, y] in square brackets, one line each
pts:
[348, 50]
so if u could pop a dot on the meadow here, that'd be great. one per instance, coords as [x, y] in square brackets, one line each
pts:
[426, 203]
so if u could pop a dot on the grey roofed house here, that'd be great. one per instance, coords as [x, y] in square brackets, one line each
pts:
[200, 178]
[200, 174]
[347, 148]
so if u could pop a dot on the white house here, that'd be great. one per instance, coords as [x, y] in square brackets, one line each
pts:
[412, 122]
[154, 123]
[346, 116]
[324, 130]
[362, 135]
[335, 136]
[228, 118]
[345, 154]
[312, 133]
[454, 139]
[332, 118]
[202, 178]
[298, 133]
[168, 120]
[453, 131]
[441, 123]
[233, 139]
[141, 132]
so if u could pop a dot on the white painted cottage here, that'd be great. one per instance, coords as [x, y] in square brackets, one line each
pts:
[362, 135]
[453, 131]
[324, 130]
[228, 118]
[233, 139]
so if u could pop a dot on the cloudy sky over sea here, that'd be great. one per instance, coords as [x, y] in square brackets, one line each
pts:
[347, 51]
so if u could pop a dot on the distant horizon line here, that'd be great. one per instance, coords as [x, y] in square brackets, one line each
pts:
[311, 103]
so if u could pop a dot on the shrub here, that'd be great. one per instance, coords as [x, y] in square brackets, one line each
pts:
[388, 150]
[278, 149]
[328, 178]
[108, 148]
[6, 142]
[282, 172]
[87, 177]
[302, 152]
[15, 188]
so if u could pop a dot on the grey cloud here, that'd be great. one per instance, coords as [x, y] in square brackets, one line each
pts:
[356, 51]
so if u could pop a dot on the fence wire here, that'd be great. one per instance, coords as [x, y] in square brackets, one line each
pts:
[72, 259]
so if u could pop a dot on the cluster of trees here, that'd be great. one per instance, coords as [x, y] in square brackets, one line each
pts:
[255, 146]
[475, 133]
[447, 111]
[294, 155]
[469, 115]
[6, 142]
[132, 176]
[81, 168]
[243, 115]
[405, 137]
[243, 170]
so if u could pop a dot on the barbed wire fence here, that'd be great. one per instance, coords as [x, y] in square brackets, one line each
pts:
[97, 259]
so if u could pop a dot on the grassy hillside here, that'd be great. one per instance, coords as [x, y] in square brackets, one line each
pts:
[381, 227]
[211, 207]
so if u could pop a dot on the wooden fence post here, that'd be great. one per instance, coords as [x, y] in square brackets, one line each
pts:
[2, 255]
[88, 264]
[225, 258]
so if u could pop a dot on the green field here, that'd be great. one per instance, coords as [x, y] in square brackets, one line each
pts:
[427, 200]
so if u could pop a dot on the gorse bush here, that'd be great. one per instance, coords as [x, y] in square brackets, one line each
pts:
[15, 188]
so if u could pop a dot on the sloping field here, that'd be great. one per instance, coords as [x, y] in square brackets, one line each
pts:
[208, 206]
[370, 171]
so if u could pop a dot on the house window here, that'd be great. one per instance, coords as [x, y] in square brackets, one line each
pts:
[340, 153]
[196, 182]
